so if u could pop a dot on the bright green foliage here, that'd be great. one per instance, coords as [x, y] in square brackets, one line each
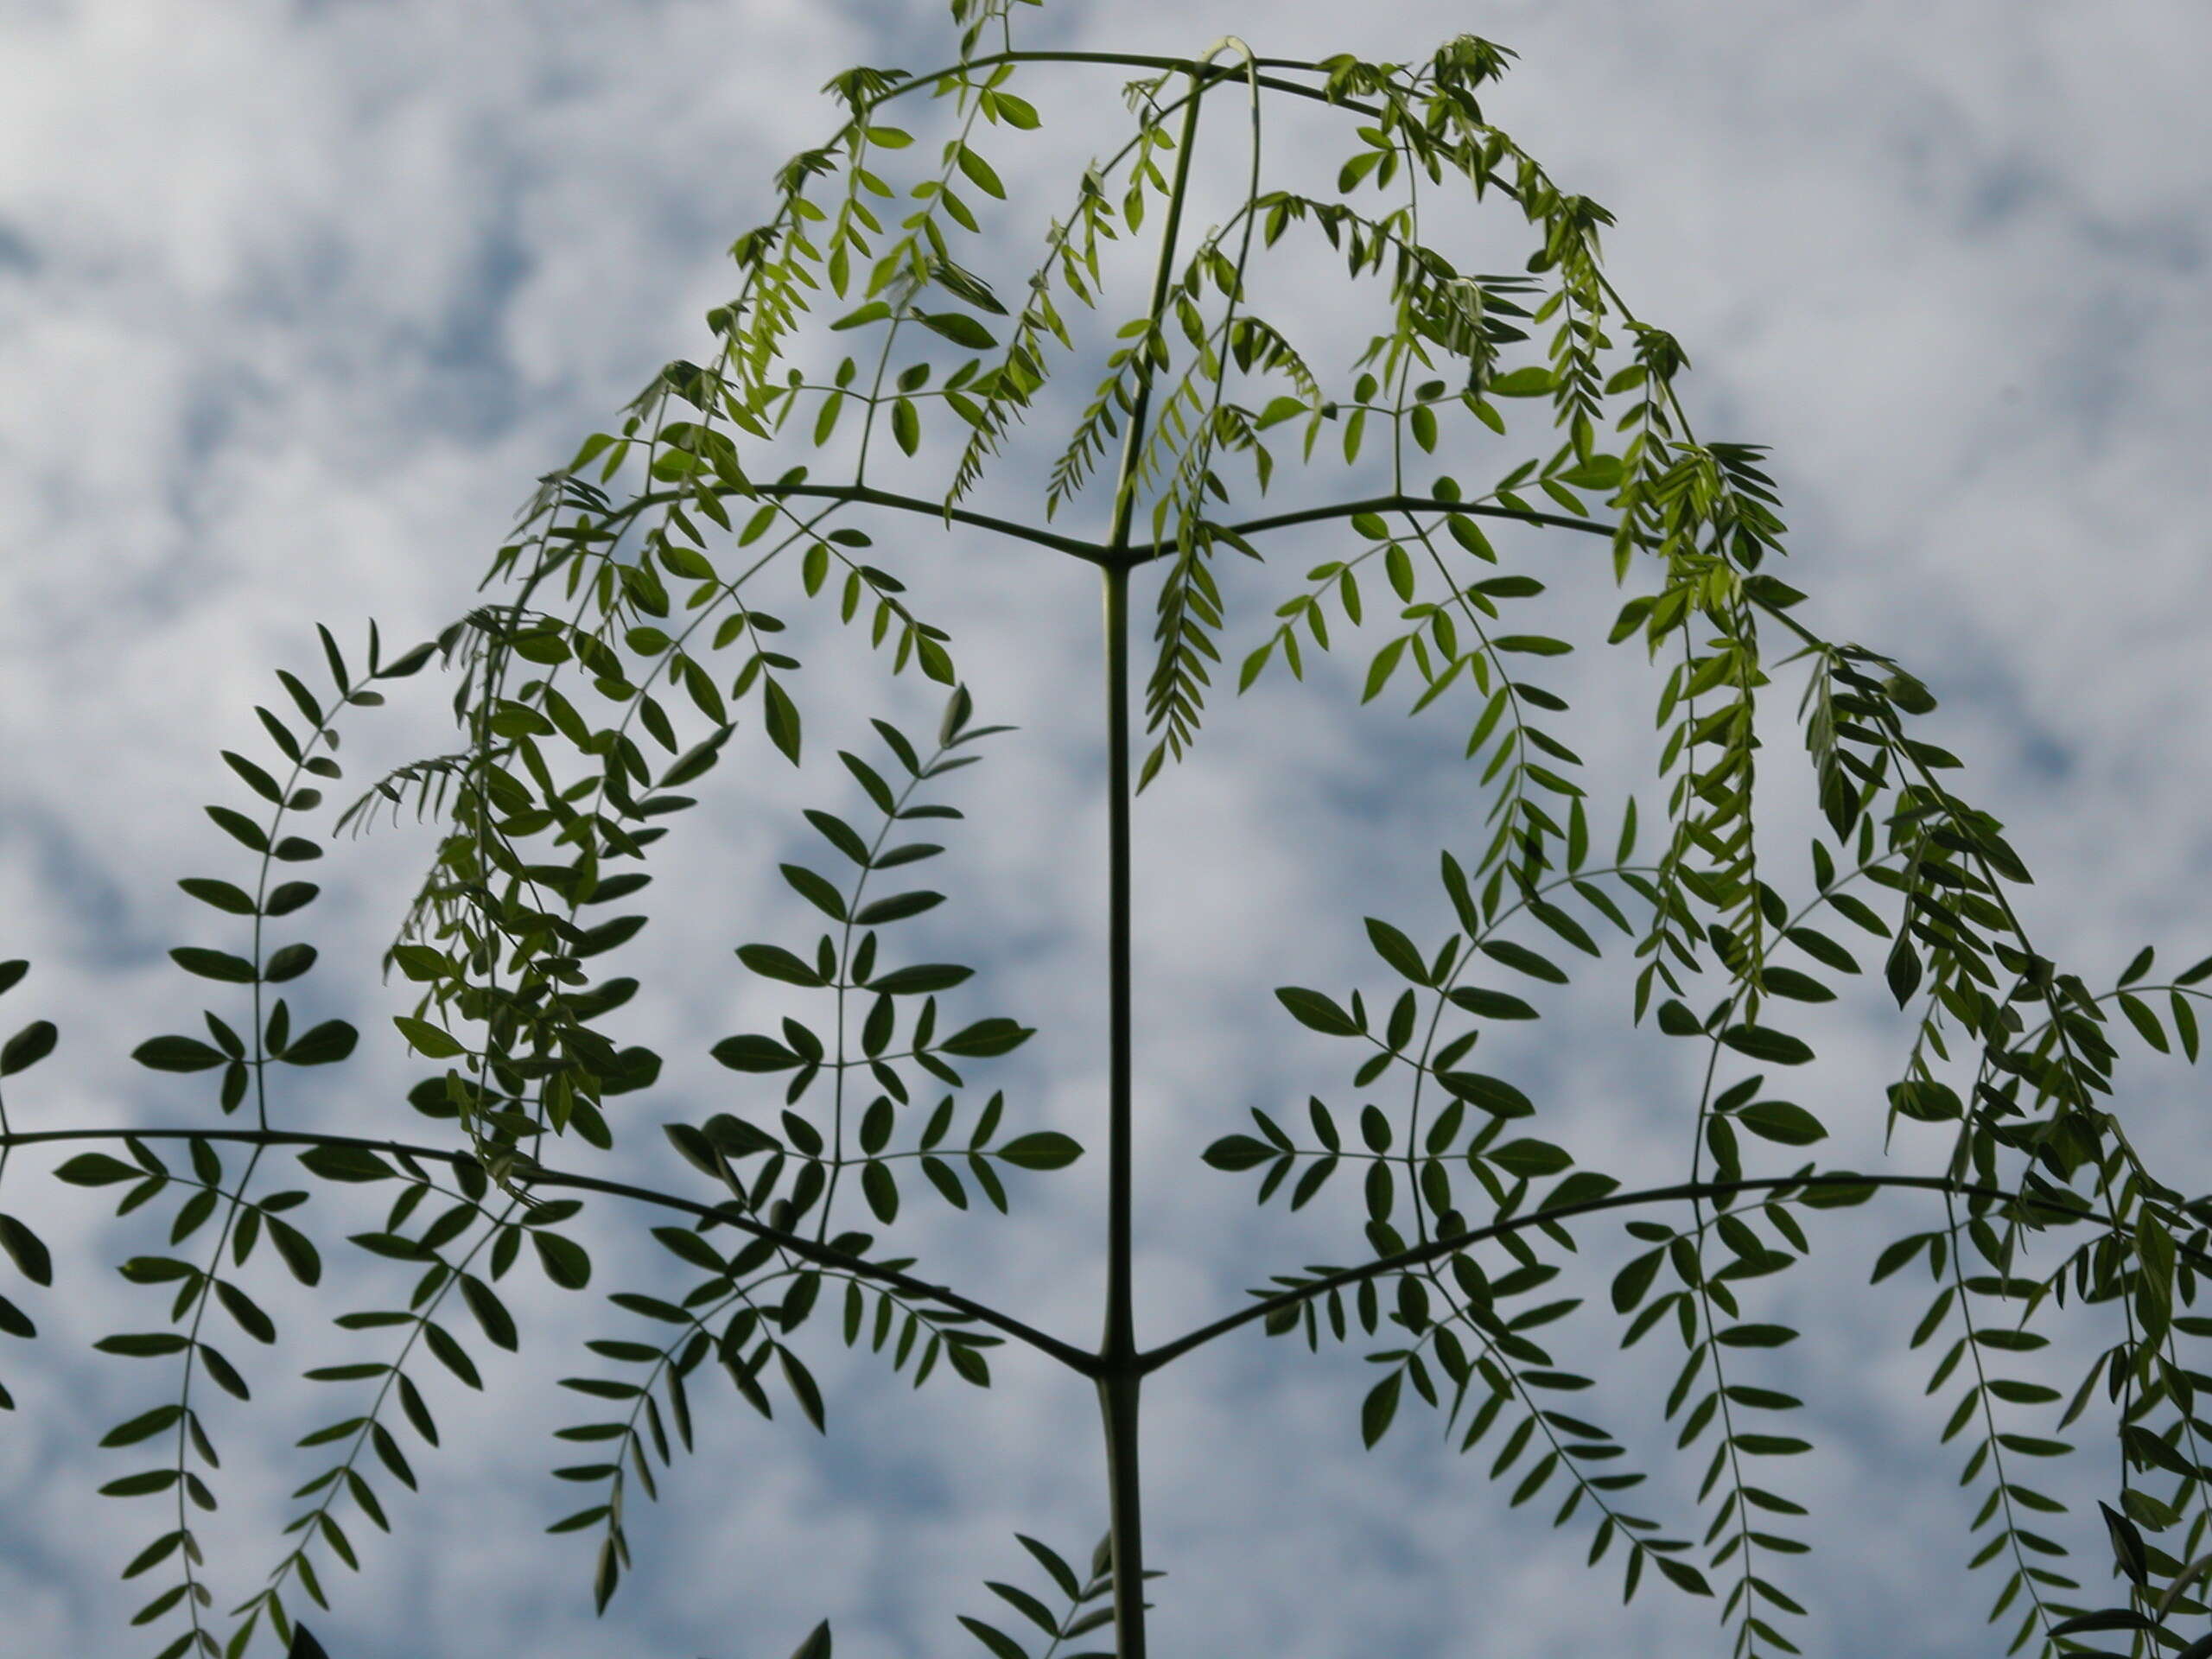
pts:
[634, 636]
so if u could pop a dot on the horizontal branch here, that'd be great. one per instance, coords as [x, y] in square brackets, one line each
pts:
[1438, 1249]
[1393, 504]
[1075, 1359]
[1140, 553]
[1089, 552]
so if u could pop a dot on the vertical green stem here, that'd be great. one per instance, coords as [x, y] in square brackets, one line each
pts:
[1120, 1375]
[1118, 1382]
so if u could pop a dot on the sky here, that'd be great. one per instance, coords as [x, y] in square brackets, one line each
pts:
[298, 300]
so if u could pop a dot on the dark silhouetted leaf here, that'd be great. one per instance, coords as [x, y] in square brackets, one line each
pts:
[986, 1037]
[754, 1053]
[97, 1169]
[566, 1262]
[897, 907]
[923, 976]
[221, 894]
[322, 1045]
[1395, 949]
[1313, 1009]
[427, 1039]
[1238, 1152]
[27, 1250]
[176, 1054]
[213, 964]
[1043, 1149]
[28, 1047]
[1379, 1408]
[1523, 960]
[959, 329]
[1765, 1043]
[345, 1164]
[773, 961]
[1777, 1120]
[1494, 1094]
[1530, 1158]
[803, 1388]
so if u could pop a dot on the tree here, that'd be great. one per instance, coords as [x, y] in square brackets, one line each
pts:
[551, 803]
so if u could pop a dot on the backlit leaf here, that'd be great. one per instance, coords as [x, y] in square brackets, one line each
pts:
[1313, 1009]
[28, 1047]
[1043, 1149]
[176, 1054]
[1777, 1120]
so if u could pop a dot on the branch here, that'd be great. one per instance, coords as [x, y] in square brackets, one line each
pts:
[1199, 69]
[869, 495]
[1076, 1359]
[1438, 1249]
[1396, 504]
[1142, 553]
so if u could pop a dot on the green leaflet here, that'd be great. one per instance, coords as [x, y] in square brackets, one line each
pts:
[1313, 1009]
[28, 1047]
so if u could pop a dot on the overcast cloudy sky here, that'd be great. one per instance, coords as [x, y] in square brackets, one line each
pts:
[296, 302]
